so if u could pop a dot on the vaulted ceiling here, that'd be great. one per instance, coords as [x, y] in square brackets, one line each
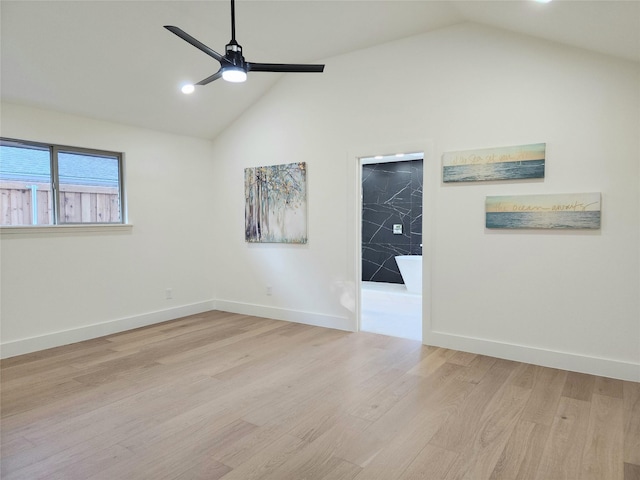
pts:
[112, 60]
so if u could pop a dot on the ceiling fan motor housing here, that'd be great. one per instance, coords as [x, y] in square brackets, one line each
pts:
[233, 53]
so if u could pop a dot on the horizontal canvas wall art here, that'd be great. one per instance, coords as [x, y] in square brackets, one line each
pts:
[276, 203]
[504, 163]
[571, 210]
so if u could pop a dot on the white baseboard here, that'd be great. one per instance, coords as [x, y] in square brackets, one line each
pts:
[521, 353]
[65, 337]
[547, 358]
[296, 316]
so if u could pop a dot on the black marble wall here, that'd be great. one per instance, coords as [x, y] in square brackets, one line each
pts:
[391, 194]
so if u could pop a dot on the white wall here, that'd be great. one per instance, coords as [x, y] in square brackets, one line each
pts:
[565, 299]
[63, 287]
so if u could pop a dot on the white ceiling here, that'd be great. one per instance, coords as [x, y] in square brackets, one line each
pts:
[113, 60]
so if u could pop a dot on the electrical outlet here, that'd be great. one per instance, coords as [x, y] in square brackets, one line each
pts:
[168, 293]
[269, 290]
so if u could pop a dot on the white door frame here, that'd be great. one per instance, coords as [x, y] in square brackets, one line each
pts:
[354, 219]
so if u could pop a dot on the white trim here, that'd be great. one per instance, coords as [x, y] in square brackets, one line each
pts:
[295, 316]
[547, 358]
[65, 337]
[430, 178]
[521, 353]
[75, 228]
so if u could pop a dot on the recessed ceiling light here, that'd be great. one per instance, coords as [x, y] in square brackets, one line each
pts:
[187, 89]
[542, 1]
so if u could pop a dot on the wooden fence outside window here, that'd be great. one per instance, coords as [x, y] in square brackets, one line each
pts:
[78, 204]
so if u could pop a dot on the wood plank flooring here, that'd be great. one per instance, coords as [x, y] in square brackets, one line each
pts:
[234, 397]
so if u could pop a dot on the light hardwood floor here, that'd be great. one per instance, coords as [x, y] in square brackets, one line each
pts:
[233, 397]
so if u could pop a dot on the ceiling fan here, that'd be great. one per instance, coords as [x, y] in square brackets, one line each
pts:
[233, 66]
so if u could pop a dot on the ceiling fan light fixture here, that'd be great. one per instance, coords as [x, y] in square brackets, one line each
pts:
[234, 75]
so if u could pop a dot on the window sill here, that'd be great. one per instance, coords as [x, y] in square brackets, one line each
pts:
[65, 229]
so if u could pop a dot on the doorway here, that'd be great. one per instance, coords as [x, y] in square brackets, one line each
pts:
[391, 220]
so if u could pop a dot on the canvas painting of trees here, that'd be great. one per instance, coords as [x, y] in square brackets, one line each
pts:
[276, 203]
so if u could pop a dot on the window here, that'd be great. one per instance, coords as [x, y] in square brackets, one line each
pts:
[54, 185]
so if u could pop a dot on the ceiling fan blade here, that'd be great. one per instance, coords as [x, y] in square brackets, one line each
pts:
[210, 79]
[284, 67]
[196, 43]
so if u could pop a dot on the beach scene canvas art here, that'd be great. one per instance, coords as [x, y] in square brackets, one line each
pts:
[276, 203]
[504, 163]
[569, 211]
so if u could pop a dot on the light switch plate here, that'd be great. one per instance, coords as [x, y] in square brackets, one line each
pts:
[397, 229]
